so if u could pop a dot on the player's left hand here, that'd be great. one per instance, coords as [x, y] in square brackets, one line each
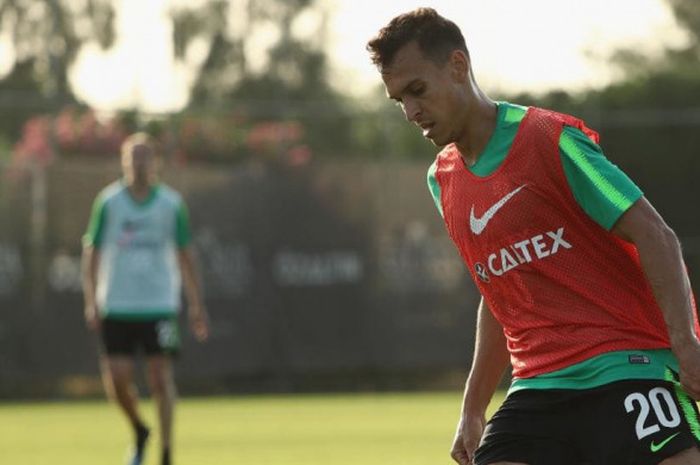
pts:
[467, 437]
[199, 323]
[689, 360]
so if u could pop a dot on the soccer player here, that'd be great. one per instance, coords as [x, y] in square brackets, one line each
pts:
[583, 286]
[136, 252]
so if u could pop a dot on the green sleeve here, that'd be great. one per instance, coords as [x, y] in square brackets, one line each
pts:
[96, 225]
[434, 187]
[600, 188]
[183, 234]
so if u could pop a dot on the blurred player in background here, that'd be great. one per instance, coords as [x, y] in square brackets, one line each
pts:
[583, 285]
[136, 251]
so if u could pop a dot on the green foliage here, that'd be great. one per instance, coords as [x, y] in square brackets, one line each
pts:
[23, 97]
[287, 81]
[654, 102]
[5, 151]
[687, 13]
[293, 84]
[294, 68]
[47, 37]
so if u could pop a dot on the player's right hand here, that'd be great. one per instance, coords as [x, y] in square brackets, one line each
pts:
[199, 321]
[92, 319]
[689, 360]
[467, 438]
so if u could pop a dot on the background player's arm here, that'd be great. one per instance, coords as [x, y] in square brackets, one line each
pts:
[199, 320]
[189, 270]
[92, 241]
[662, 261]
[90, 263]
[491, 358]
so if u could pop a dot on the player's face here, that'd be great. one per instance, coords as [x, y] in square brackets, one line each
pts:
[431, 96]
[138, 164]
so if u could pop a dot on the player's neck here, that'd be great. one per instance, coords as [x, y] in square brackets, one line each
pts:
[479, 125]
[139, 190]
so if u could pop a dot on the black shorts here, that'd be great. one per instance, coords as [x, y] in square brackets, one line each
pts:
[637, 422]
[160, 337]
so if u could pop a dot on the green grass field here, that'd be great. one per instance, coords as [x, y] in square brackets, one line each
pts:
[362, 429]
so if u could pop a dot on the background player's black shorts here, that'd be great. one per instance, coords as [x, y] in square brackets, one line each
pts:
[637, 422]
[160, 337]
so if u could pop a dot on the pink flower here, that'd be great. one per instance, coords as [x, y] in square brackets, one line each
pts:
[35, 144]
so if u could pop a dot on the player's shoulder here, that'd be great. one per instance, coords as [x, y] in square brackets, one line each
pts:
[565, 119]
[446, 153]
[111, 191]
[432, 171]
[168, 194]
[574, 136]
[448, 160]
[511, 112]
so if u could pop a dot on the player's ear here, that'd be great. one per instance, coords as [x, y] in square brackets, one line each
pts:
[459, 65]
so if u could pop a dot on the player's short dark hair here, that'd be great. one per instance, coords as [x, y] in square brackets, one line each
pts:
[437, 37]
[140, 138]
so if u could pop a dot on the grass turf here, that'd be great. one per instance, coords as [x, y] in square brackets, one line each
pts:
[362, 429]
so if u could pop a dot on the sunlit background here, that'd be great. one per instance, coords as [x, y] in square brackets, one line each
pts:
[325, 265]
[517, 46]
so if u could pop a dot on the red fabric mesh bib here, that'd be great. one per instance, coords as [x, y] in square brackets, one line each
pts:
[563, 288]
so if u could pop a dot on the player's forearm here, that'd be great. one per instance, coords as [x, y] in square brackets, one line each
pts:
[89, 265]
[662, 261]
[191, 281]
[491, 358]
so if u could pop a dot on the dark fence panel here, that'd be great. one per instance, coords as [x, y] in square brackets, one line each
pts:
[333, 276]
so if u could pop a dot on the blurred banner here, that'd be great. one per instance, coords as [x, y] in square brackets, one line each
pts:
[333, 275]
[326, 274]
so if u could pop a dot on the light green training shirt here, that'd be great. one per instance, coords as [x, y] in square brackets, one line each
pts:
[138, 276]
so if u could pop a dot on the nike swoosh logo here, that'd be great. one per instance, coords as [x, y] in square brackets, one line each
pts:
[478, 224]
[657, 447]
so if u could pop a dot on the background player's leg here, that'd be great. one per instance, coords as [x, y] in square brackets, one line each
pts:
[118, 378]
[687, 457]
[162, 384]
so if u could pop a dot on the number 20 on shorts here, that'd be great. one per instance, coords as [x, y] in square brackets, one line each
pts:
[668, 417]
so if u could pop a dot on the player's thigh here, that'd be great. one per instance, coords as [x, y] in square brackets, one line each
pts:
[531, 427]
[120, 368]
[508, 463]
[161, 338]
[689, 456]
[160, 372]
[119, 338]
[522, 449]
[640, 422]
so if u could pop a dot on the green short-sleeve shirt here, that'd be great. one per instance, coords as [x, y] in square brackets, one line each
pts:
[138, 276]
[602, 190]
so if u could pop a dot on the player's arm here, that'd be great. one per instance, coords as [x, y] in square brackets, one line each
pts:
[662, 261]
[189, 270]
[199, 320]
[434, 187]
[490, 360]
[612, 200]
[90, 263]
[92, 240]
